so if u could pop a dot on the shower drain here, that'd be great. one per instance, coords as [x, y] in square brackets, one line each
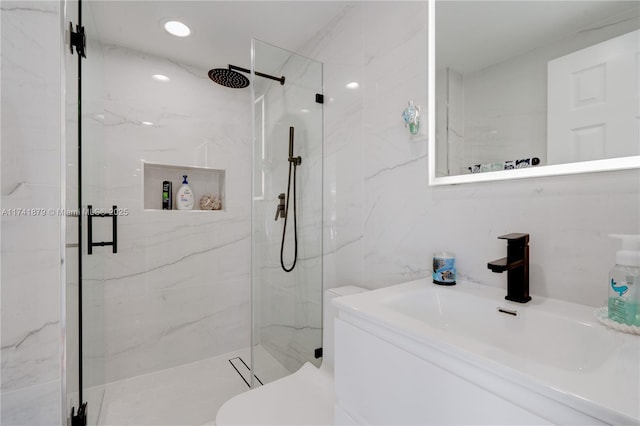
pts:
[243, 370]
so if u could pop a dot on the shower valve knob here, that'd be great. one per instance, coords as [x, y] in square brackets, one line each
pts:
[280, 211]
[296, 160]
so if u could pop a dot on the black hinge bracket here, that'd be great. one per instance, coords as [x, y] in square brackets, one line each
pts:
[77, 39]
[317, 353]
[114, 230]
[79, 418]
[319, 98]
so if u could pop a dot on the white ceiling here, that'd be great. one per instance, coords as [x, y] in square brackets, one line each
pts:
[472, 35]
[221, 30]
[476, 33]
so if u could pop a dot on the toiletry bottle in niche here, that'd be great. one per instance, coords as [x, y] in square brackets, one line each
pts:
[624, 280]
[184, 196]
[167, 195]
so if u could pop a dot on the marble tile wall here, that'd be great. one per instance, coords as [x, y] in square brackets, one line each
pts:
[382, 220]
[178, 289]
[340, 48]
[31, 256]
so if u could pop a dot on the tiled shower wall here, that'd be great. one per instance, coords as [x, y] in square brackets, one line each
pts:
[382, 221]
[178, 289]
[31, 314]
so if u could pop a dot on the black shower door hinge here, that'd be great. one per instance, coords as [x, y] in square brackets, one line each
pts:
[77, 39]
[79, 418]
[319, 98]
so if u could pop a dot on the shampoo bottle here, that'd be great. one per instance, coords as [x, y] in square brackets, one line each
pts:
[167, 195]
[624, 280]
[184, 197]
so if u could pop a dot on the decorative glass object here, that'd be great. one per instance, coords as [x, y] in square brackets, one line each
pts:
[411, 118]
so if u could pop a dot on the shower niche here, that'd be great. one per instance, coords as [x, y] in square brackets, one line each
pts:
[203, 181]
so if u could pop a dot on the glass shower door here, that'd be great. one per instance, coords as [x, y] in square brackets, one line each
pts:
[93, 187]
[287, 177]
[85, 185]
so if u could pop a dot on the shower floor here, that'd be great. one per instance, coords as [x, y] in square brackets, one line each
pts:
[189, 394]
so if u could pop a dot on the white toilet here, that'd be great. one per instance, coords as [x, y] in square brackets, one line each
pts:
[305, 397]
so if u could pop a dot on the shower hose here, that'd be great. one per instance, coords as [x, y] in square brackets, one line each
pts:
[293, 163]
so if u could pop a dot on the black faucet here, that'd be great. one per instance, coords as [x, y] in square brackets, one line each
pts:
[517, 265]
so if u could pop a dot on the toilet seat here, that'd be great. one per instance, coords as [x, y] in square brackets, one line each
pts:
[305, 397]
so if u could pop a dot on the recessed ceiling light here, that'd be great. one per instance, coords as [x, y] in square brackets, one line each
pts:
[177, 28]
[304, 110]
[147, 123]
[352, 85]
[160, 77]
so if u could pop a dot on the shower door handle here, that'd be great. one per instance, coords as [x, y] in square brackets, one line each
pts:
[114, 230]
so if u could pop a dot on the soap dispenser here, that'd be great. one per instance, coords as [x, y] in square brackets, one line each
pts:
[184, 197]
[624, 280]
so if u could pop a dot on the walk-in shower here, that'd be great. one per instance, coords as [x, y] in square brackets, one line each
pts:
[197, 300]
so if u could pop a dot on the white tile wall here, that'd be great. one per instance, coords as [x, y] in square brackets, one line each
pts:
[382, 220]
[178, 289]
[31, 138]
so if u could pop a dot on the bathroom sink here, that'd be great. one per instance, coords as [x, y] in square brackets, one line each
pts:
[554, 348]
[563, 341]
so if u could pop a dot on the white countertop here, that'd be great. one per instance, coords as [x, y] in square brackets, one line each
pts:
[555, 348]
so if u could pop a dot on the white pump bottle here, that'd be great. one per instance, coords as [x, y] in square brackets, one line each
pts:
[184, 197]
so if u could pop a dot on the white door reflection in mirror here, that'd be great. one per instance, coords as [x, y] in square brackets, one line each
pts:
[592, 102]
[542, 85]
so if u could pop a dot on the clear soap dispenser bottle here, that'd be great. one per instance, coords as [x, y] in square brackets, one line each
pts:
[624, 280]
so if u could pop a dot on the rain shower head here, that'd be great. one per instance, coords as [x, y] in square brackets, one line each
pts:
[229, 77]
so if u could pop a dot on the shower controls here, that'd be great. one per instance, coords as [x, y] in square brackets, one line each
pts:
[295, 160]
[280, 211]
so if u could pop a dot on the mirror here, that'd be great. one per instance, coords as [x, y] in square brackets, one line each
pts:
[532, 88]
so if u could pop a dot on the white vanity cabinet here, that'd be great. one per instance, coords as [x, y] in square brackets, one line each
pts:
[393, 370]
[378, 382]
